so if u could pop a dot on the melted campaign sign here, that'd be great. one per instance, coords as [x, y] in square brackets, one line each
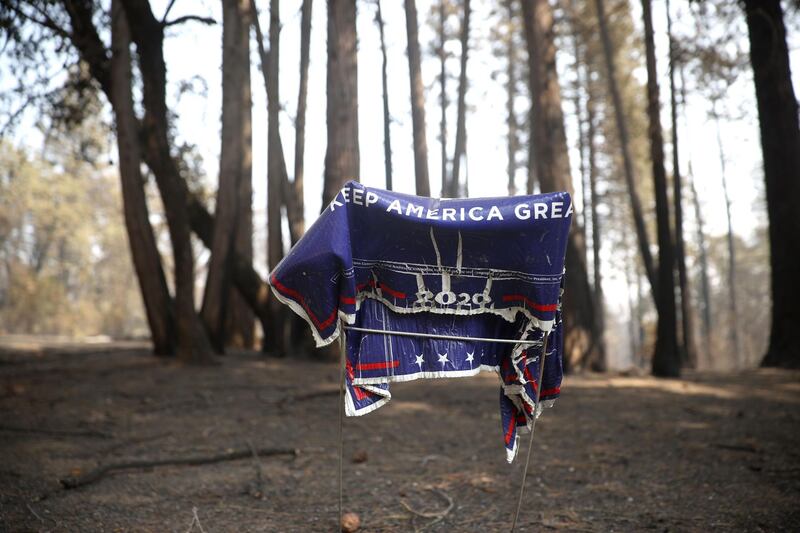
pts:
[489, 268]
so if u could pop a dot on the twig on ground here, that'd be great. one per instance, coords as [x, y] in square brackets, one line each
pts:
[56, 432]
[101, 471]
[34, 513]
[195, 520]
[437, 516]
[259, 488]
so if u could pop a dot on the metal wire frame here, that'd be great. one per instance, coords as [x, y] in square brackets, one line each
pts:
[343, 354]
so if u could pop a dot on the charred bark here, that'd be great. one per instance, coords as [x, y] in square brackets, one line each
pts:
[423, 186]
[235, 92]
[461, 120]
[780, 138]
[146, 259]
[387, 117]
[342, 156]
[688, 348]
[148, 35]
[511, 94]
[666, 358]
[627, 159]
[552, 169]
[298, 222]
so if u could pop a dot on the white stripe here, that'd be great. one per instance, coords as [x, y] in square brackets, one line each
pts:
[436, 248]
[458, 257]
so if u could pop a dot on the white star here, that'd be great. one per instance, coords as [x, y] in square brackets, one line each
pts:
[470, 357]
[420, 360]
[443, 359]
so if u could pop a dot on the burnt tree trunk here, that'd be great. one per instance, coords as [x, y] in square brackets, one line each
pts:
[298, 221]
[235, 92]
[461, 117]
[511, 94]
[423, 186]
[286, 195]
[666, 357]
[689, 351]
[85, 38]
[148, 35]
[443, 99]
[591, 135]
[733, 308]
[342, 155]
[705, 286]
[387, 117]
[239, 322]
[780, 139]
[146, 259]
[274, 151]
[627, 159]
[552, 169]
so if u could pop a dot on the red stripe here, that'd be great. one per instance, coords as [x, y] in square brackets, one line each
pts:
[530, 303]
[388, 290]
[550, 392]
[299, 298]
[510, 428]
[360, 393]
[347, 300]
[377, 366]
[397, 294]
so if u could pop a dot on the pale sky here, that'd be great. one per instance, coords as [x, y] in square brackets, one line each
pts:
[194, 51]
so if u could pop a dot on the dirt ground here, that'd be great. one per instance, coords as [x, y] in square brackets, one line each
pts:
[615, 453]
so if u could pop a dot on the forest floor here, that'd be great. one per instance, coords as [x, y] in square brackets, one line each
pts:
[616, 453]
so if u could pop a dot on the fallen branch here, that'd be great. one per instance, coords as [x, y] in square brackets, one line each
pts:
[56, 432]
[195, 520]
[101, 471]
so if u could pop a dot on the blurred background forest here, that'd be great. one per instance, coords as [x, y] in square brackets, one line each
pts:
[158, 158]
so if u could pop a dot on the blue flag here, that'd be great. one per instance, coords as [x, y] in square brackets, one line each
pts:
[489, 268]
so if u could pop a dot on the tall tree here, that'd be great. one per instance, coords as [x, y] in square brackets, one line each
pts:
[387, 117]
[147, 33]
[780, 138]
[443, 95]
[552, 169]
[235, 97]
[461, 120]
[286, 196]
[689, 350]
[423, 186]
[705, 285]
[84, 37]
[300, 121]
[239, 323]
[666, 358]
[591, 170]
[342, 155]
[146, 259]
[274, 149]
[733, 308]
[624, 139]
[511, 95]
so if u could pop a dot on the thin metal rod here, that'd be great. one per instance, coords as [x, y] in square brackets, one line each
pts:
[533, 427]
[434, 336]
[343, 354]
